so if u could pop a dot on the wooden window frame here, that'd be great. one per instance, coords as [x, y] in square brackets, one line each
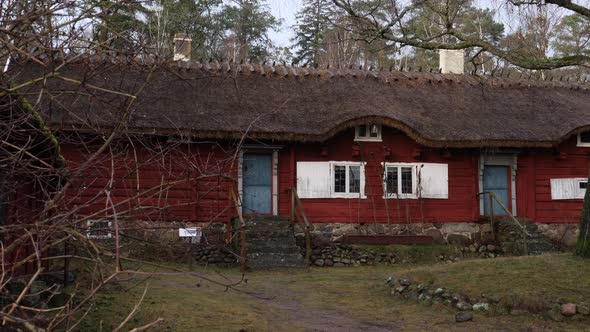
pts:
[347, 194]
[399, 194]
[368, 138]
[580, 143]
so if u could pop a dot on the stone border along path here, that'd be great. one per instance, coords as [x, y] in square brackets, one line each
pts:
[423, 293]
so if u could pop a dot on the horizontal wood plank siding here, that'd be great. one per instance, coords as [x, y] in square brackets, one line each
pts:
[462, 172]
[180, 182]
[537, 167]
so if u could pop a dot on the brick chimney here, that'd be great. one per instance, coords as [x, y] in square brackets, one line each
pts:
[451, 61]
[182, 47]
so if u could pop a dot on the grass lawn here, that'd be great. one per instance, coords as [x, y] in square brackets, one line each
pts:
[337, 299]
[531, 280]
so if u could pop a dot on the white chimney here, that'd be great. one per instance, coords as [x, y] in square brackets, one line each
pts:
[451, 61]
[182, 47]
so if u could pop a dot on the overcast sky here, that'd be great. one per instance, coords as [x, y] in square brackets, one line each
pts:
[285, 10]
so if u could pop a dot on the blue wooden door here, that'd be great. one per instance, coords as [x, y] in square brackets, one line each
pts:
[495, 179]
[257, 176]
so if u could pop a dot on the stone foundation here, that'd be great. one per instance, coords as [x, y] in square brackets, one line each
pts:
[459, 233]
[562, 235]
[463, 233]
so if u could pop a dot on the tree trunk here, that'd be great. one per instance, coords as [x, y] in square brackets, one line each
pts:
[583, 244]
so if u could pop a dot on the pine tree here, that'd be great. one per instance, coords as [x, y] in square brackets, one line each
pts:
[313, 21]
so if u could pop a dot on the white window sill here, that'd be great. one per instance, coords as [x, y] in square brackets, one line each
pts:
[402, 196]
[367, 139]
[583, 145]
[345, 195]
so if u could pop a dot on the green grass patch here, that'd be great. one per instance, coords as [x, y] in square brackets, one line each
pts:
[348, 298]
[530, 280]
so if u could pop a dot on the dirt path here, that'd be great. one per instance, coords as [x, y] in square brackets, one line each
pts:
[292, 313]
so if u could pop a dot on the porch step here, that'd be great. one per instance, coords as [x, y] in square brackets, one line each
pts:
[270, 243]
[511, 238]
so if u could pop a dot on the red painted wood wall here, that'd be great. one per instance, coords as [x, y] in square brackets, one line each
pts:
[166, 182]
[535, 169]
[461, 205]
[196, 178]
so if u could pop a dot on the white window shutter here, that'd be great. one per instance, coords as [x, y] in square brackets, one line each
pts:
[313, 179]
[434, 180]
[567, 188]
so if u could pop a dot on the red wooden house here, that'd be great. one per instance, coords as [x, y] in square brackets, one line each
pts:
[360, 146]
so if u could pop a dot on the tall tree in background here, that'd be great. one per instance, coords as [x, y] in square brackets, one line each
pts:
[202, 20]
[324, 35]
[399, 14]
[572, 36]
[119, 25]
[249, 22]
[313, 22]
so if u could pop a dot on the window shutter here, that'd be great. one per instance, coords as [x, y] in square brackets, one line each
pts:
[434, 180]
[567, 188]
[313, 179]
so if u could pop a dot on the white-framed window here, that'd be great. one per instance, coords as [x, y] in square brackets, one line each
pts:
[568, 188]
[400, 180]
[584, 139]
[330, 179]
[368, 133]
[416, 180]
[99, 229]
[348, 179]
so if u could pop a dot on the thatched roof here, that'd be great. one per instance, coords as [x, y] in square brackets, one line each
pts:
[308, 104]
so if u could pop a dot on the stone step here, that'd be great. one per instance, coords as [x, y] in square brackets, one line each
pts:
[266, 261]
[273, 242]
[266, 233]
[273, 250]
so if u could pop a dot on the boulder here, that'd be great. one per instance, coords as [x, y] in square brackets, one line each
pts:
[463, 316]
[481, 306]
[405, 282]
[439, 291]
[412, 294]
[583, 309]
[464, 306]
[437, 236]
[319, 262]
[400, 289]
[391, 281]
[554, 315]
[458, 239]
[568, 309]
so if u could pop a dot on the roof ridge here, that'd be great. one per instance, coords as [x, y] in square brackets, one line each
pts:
[282, 69]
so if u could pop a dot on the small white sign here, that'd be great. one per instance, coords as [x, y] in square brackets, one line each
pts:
[190, 232]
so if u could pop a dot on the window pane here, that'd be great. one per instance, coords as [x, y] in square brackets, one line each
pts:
[406, 180]
[585, 137]
[583, 185]
[363, 131]
[340, 179]
[391, 180]
[354, 183]
[374, 130]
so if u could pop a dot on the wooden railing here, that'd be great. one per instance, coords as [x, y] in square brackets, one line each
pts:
[233, 197]
[295, 217]
[492, 197]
